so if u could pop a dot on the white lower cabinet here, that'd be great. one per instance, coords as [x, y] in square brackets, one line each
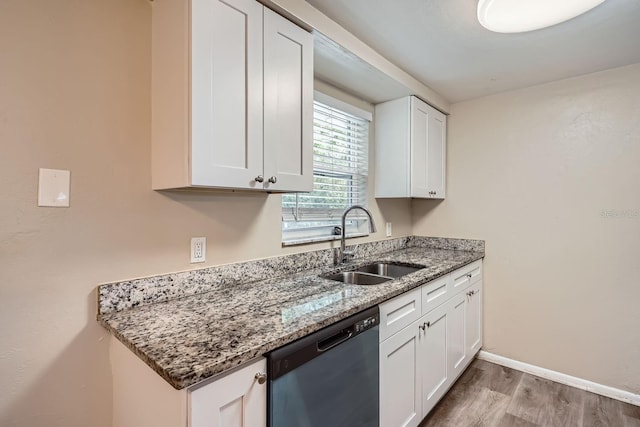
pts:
[435, 330]
[400, 378]
[473, 327]
[419, 363]
[457, 351]
[235, 400]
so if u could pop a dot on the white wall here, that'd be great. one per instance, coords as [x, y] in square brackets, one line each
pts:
[75, 94]
[538, 173]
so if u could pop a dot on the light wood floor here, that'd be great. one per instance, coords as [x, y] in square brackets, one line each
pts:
[492, 395]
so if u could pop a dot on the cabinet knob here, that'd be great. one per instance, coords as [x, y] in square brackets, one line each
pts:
[428, 324]
[258, 178]
[273, 180]
[469, 275]
[471, 293]
[261, 377]
[423, 326]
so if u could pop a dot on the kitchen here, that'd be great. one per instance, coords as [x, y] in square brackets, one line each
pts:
[554, 208]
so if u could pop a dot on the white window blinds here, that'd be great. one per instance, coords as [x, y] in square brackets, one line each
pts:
[340, 169]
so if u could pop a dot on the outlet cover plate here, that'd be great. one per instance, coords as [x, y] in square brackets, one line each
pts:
[198, 249]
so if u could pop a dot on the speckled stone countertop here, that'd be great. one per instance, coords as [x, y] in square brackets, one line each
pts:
[194, 336]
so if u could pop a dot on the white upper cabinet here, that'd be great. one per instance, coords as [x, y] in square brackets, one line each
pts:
[410, 149]
[226, 87]
[288, 105]
[232, 97]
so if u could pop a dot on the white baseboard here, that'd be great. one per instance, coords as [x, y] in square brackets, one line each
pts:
[614, 393]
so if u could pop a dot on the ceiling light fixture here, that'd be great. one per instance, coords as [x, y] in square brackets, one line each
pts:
[518, 16]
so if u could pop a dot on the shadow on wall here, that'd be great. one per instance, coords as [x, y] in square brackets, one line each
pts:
[242, 207]
[249, 222]
[421, 210]
[74, 388]
[397, 211]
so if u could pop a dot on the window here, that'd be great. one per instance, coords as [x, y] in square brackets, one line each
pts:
[340, 164]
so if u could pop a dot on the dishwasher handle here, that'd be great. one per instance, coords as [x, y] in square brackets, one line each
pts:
[334, 340]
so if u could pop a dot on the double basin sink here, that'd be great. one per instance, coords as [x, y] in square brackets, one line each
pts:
[374, 274]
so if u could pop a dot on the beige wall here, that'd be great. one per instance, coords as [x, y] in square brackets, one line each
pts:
[75, 94]
[531, 172]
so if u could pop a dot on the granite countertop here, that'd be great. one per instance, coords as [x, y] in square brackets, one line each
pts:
[191, 338]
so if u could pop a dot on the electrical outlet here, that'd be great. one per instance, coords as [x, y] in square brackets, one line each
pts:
[388, 229]
[198, 249]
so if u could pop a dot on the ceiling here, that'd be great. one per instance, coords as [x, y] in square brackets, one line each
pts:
[441, 43]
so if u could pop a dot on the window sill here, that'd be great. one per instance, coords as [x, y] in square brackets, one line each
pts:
[316, 239]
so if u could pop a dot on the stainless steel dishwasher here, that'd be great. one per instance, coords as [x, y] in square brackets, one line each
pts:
[329, 378]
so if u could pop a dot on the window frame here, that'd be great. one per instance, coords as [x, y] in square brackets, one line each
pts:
[324, 229]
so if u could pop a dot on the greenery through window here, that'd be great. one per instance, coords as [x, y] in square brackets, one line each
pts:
[340, 169]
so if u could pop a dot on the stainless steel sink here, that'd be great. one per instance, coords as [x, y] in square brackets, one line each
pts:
[358, 278]
[373, 274]
[389, 269]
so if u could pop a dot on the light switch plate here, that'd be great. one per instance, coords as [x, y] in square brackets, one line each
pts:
[53, 188]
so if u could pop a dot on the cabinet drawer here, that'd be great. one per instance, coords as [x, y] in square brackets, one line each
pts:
[436, 292]
[399, 312]
[466, 276]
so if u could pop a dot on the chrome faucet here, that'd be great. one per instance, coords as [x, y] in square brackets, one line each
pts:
[345, 255]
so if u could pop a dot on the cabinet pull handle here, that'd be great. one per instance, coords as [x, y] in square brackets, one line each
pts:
[273, 179]
[258, 178]
[261, 377]
[423, 326]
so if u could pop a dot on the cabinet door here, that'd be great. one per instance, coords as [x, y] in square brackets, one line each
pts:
[226, 93]
[288, 105]
[236, 400]
[456, 352]
[400, 387]
[419, 148]
[436, 153]
[433, 356]
[474, 319]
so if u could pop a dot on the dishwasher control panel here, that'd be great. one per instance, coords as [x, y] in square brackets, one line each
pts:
[367, 323]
